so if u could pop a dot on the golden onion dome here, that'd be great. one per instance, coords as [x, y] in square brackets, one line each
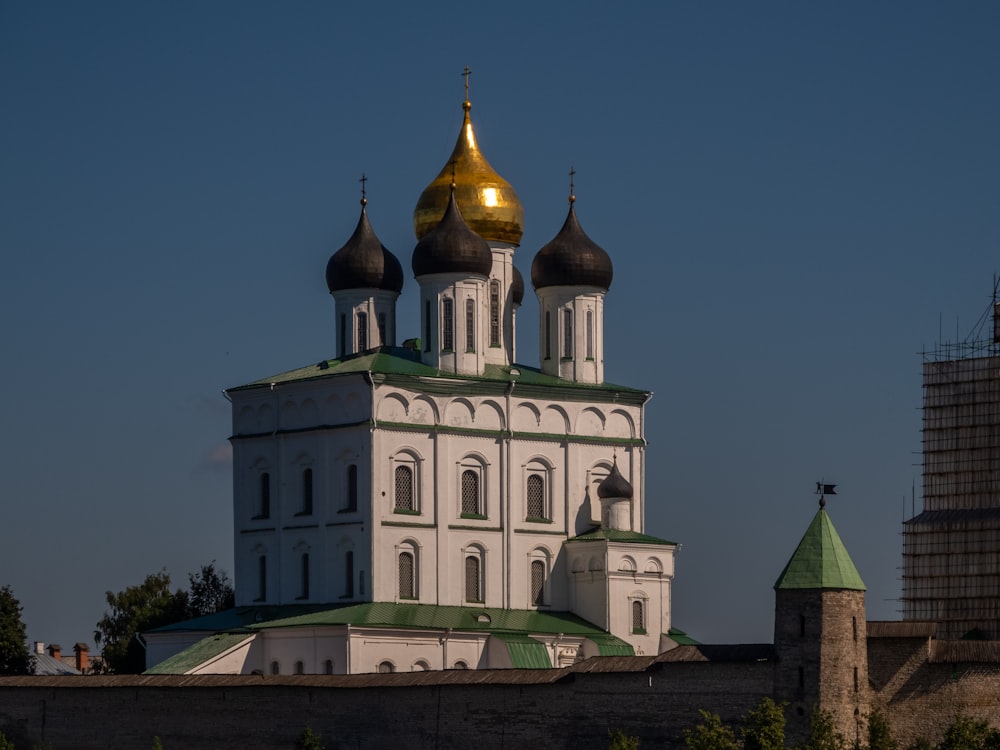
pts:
[486, 200]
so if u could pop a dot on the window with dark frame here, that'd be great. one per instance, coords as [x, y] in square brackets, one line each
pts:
[494, 313]
[362, 332]
[473, 579]
[352, 487]
[307, 492]
[264, 506]
[590, 334]
[537, 582]
[381, 330]
[447, 324]
[638, 620]
[407, 572]
[470, 492]
[470, 325]
[536, 496]
[262, 578]
[404, 488]
[304, 576]
[349, 574]
[567, 333]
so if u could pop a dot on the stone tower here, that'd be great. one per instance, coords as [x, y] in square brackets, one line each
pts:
[820, 635]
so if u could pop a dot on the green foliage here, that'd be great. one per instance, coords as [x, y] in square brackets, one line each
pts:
[921, 744]
[308, 740]
[5, 744]
[14, 655]
[622, 741]
[710, 734]
[763, 728]
[970, 734]
[821, 733]
[144, 607]
[879, 734]
[157, 745]
[210, 591]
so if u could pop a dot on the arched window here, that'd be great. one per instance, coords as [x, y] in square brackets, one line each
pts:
[470, 325]
[304, 576]
[537, 582]
[447, 324]
[590, 334]
[264, 499]
[421, 666]
[460, 665]
[386, 667]
[473, 579]
[348, 574]
[328, 667]
[536, 496]
[381, 329]
[407, 576]
[494, 313]
[262, 578]
[362, 331]
[300, 668]
[352, 487]
[470, 492]
[307, 492]
[404, 488]
[638, 617]
[567, 333]
[275, 668]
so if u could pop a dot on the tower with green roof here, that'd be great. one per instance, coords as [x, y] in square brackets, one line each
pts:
[819, 633]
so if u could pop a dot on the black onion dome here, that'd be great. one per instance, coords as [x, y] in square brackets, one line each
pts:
[451, 247]
[614, 485]
[363, 263]
[571, 259]
[517, 287]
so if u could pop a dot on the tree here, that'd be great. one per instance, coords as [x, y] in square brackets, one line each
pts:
[821, 733]
[210, 591]
[14, 655]
[137, 608]
[970, 734]
[622, 741]
[763, 728]
[879, 734]
[710, 734]
[308, 740]
[5, 744]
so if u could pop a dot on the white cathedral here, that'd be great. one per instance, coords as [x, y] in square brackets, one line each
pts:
[433, 505]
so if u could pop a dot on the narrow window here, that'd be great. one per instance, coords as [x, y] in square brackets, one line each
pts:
[548, 335]
[307, 492]
[427, 325]
[352, 487]
[448, 325]
[537, 582]
[460, 665]
[328, 667]
[473, 589]
[470, 325]
[855, 679]
[349, 574]
[386, 667]
[300, 668]
[262, 578]
[404, 488]
[470, 492]
[536, 496]
[590, 334]
[638, 621]
[275, 669]
[567, 333]
[854, 627]
[304, 577]
[264, 511]
[494, 313]
[362, 331]
[407, 588]
[342, 338]
[381, 329]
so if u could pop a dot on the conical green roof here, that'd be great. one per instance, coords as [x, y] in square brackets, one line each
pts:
[820, 561]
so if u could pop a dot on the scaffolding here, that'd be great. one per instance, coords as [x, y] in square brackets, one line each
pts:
[951, 550]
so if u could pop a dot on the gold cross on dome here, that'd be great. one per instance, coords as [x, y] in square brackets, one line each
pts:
[467, 73]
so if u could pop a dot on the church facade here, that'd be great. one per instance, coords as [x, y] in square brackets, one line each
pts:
[431, 503]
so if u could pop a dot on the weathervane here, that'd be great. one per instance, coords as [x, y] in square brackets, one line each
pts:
[823, 490]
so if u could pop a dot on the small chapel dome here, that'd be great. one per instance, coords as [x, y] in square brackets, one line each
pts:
[517, 287]
[488, 202]
[452, 247]
[363, 262]
[571, 259]
[614, 485]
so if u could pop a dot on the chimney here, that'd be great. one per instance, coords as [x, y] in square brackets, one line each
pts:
[81, 650]
[39, 647]
[55, 651]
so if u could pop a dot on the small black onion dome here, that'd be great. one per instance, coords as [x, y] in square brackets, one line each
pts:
[517, 287]
[614, 485]
[363, 263]
[571, 259]
[451, 247]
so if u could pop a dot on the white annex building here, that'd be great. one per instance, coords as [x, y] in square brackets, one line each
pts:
[430, 504]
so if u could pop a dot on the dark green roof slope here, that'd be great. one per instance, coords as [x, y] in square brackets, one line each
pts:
[394, 364]
[200, 652]
[615, 535]
[821, 561]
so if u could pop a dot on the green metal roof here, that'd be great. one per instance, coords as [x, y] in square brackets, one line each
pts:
[681, 638]
[525, 652]
[611, 645]
[402, 366]
[821, 561]
[615, 535]
[199, 653]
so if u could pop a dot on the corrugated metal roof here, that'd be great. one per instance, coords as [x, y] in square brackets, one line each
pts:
[611, 645]
[821, 560]
[200, 652]
[977, 652]
[611, 664]
[525, 652]
[736, 652]
[49, 665]
[901, 629]
[681, 638]
[615, 535]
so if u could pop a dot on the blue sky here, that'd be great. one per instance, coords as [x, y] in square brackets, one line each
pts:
[797, 198]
